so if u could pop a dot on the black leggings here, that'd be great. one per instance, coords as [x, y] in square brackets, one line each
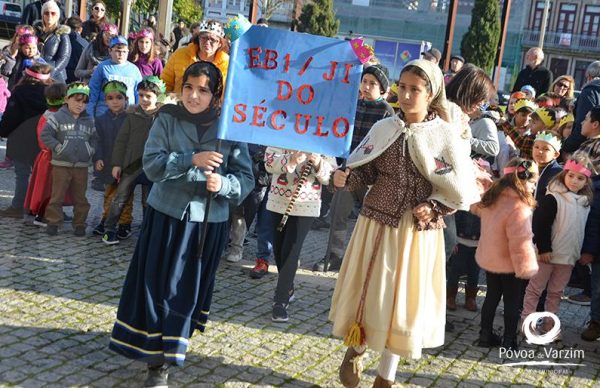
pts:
[286, 250]
[508, 287]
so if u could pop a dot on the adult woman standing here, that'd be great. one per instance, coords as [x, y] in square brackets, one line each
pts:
[563, 86]
[469, 90]
[93, 26]
[55, 38]
[168, 290]
[390, 293]
[25, 106]
[95, 52]
[207, 46]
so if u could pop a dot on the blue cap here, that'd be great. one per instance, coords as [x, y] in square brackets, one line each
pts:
[118, 40]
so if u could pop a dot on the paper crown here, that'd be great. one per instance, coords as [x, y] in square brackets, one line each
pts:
[572, 165]
[363, 51]
[110, 28]
[114, 86]
[525, 103]
[566, 120]
[27, 39]
[236, 26]
[145, 33]
[77, 88]
[36, 75]
[544, 115]
[55, 102]
[212, 26]
[156, 81]
[550, 139]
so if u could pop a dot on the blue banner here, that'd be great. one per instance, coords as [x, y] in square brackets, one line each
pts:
[291, 90]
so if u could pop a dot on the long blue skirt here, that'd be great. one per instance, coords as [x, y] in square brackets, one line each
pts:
[168, 290]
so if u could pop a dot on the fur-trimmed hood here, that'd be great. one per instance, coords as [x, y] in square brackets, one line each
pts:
[62, 29]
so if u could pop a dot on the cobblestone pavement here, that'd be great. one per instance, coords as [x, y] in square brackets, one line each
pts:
[58, 299]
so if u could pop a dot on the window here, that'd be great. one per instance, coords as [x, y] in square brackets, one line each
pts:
[538, 12]
[566, 17]
[591, 20]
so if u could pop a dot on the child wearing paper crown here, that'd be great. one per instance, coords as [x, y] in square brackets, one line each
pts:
[117, 68]
[559, 227]
[143, 54]
[542, 119]
[545, 152]
[13, 67]
[565, 125]
[390, 293]
[127, 154]
[71, 135]
[40, 182]
[107, 127]
[505, 249]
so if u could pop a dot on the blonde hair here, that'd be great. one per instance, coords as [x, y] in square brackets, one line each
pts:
[570, 80]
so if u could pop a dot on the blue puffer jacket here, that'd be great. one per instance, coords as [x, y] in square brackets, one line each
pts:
[56, 49]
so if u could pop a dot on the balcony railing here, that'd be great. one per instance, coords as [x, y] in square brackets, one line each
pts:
[563, 40]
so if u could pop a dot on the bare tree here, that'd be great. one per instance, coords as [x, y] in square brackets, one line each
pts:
[268, 7]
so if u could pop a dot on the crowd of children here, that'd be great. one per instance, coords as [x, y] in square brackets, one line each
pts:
[529, 230]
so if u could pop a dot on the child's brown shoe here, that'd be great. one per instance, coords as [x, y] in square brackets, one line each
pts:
[351, 368]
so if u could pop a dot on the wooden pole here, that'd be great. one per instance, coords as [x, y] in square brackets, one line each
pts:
[447, 54]
[296, 11]
[502, 42]
[253, 14]
[83, 9]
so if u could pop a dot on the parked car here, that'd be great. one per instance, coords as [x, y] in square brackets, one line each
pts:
[10, 12]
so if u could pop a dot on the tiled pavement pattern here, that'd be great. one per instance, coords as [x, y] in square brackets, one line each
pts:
[58, 298]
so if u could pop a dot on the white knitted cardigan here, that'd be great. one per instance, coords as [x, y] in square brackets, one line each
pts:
[438, 150]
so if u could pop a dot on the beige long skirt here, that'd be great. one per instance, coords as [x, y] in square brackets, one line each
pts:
[405, 304]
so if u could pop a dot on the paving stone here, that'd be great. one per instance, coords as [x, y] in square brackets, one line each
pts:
[58, 298]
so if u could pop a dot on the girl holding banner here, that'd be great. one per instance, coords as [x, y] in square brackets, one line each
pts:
[390, 293]
[168, 290]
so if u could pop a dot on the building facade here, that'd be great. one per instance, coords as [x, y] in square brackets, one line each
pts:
[223, 9]
[426, 20]
[572, 35]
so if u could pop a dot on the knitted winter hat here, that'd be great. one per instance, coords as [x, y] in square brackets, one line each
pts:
[380, 72]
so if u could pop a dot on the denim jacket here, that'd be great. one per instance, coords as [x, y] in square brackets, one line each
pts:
[180, 187]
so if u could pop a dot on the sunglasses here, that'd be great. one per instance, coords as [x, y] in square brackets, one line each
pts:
[100, 9]
[210, 40]
[119, 97]
[562, 86]
[48, 13]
